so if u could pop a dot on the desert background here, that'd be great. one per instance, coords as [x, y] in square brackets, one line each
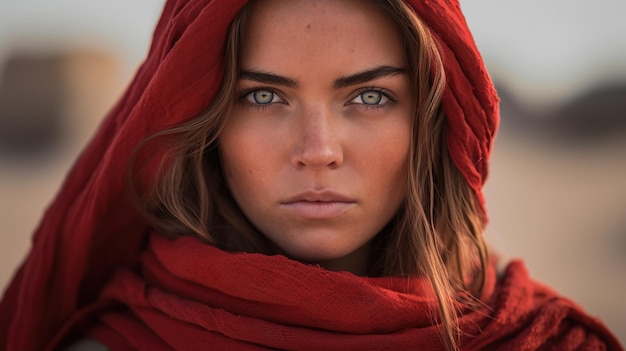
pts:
[557, 188]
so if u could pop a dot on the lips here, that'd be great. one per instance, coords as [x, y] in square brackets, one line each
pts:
[319, 196]
[318, 204]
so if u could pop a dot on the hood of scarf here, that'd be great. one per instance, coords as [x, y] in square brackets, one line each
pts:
[91, 230]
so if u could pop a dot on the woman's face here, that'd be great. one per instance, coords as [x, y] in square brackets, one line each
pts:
[315, 151]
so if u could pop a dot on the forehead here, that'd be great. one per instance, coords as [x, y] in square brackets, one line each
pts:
[341, 32]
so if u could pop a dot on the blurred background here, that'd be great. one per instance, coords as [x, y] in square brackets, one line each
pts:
[557, 189]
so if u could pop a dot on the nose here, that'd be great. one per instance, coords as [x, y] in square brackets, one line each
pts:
[318, 145]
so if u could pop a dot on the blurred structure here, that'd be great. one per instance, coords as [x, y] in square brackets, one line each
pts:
[557, 188]
[594, 116]
[50, 104]
[32, 95]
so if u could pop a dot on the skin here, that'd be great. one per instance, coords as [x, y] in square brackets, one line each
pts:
[315, 151]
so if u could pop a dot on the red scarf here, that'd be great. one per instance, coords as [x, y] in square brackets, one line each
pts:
[91, 233]
[190, 295]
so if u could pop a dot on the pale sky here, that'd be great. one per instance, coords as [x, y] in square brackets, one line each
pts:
[544, 48]
[551, 46]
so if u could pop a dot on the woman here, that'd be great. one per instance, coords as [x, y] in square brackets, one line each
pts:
[301, 175]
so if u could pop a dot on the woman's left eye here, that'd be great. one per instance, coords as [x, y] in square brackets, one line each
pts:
[371, 97]
[262, 97]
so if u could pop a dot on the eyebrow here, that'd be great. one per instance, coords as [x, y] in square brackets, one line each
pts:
[342, 82]
[264, 77]
[368, 75]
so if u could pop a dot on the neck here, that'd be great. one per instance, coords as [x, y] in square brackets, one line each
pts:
[356, 262]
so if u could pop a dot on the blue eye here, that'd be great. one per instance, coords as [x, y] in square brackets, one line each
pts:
[371, 97]
[262, 97]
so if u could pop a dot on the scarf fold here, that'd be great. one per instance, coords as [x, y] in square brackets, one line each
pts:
[190, 295]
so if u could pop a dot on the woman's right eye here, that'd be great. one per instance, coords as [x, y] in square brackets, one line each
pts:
[262, 97]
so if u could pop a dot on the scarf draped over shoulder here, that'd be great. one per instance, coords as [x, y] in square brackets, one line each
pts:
[190, 295]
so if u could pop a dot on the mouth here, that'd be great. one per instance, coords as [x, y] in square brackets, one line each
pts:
[319, 196]
[319, 204]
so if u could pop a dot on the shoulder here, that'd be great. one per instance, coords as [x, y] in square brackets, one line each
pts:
[527, 312]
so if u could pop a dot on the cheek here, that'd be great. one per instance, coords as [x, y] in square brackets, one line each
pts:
[386, 153]
[245, 163]
[395, 178]
[234, 163]
[393, 169]
[387, 162]
[236, 166]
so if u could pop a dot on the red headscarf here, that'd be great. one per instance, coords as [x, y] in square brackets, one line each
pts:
[191, 295]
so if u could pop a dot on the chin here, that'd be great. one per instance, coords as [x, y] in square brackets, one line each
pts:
[347, 257]
[332, 249]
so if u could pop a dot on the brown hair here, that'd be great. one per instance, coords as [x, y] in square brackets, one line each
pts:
[436, 233]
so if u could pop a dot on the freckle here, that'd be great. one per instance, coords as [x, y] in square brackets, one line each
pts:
[308, 26]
